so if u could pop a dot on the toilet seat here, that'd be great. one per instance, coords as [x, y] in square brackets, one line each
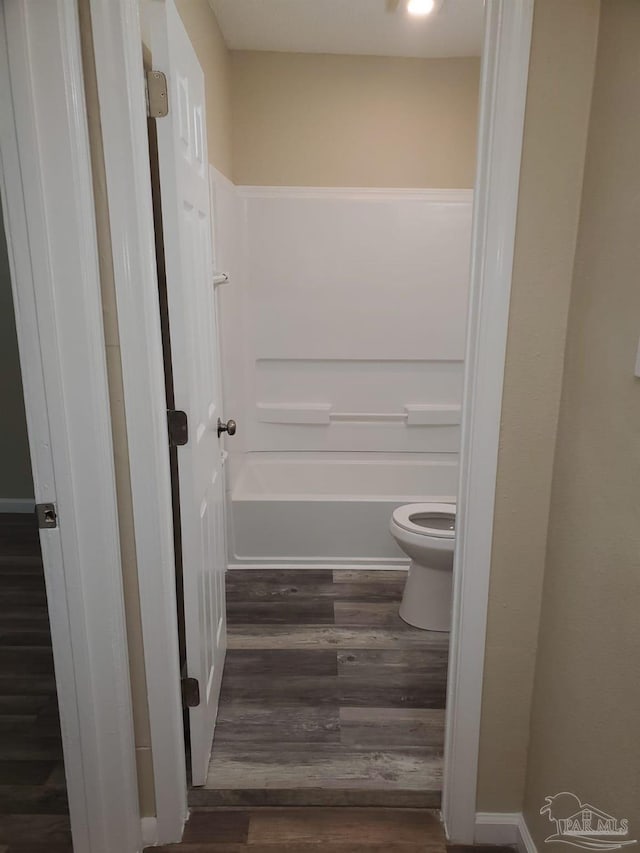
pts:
[403, 516]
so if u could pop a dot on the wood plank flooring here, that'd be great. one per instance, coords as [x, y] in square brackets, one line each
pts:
[316, 830]
[33, 799]
[311, 830]
[328, 697]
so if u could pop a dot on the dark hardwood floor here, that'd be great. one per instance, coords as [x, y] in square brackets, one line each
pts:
[33, 800]
[328, 697]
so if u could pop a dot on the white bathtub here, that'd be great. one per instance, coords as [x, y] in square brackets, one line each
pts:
[319, 511]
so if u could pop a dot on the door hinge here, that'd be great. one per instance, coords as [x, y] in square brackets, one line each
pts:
[178, 427]
[47, 516]
[190, 692]
[156, 92]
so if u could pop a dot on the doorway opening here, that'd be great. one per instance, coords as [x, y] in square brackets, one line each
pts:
[321, 304]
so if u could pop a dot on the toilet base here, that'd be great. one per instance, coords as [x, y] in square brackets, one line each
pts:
[426, 601]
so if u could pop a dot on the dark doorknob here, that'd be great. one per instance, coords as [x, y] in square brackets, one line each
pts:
[229, 427]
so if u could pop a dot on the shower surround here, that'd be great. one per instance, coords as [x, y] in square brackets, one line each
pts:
[343, 331]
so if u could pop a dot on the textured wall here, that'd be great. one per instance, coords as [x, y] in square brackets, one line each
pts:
[557, 114]
[353, 121]
[587, 694]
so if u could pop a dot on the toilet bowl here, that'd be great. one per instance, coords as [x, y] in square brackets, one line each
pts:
[426, 533]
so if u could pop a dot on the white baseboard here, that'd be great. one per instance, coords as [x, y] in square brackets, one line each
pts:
[504, 828]
[149, 826]
[526, 843]
[497, 827]
[17, 505]
[400, 566]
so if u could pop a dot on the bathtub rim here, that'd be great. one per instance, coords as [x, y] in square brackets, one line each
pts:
[290, 497]
[303, 565]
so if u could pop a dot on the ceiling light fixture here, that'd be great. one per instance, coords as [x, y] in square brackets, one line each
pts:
[420, 7]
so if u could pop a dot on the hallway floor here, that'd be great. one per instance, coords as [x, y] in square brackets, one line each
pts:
[319, 830]
[328, 698]
[308, 830]
[33, 799]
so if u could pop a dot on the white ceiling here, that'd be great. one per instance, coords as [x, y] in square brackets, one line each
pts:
[368, 27]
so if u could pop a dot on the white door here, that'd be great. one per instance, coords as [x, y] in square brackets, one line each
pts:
[48, 212]
[186, 218]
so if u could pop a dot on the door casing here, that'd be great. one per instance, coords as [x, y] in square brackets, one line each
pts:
[120, 76]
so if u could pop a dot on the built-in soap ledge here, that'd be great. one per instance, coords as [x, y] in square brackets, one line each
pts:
[418, 414]
[432, 414]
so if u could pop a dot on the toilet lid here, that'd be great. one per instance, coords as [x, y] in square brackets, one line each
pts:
[427, 519]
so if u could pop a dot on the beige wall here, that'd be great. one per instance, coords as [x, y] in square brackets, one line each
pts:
[324, 120]
[584, 735]
[557, 113]
[142, 734]
[15, 465]
[315, 120]
[215, 59]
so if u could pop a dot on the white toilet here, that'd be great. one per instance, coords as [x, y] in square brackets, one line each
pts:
[427, 533]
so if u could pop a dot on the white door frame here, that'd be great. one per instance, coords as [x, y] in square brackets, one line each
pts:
[117, 40]
[503, 91]
[118, 57]
[47, 200]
